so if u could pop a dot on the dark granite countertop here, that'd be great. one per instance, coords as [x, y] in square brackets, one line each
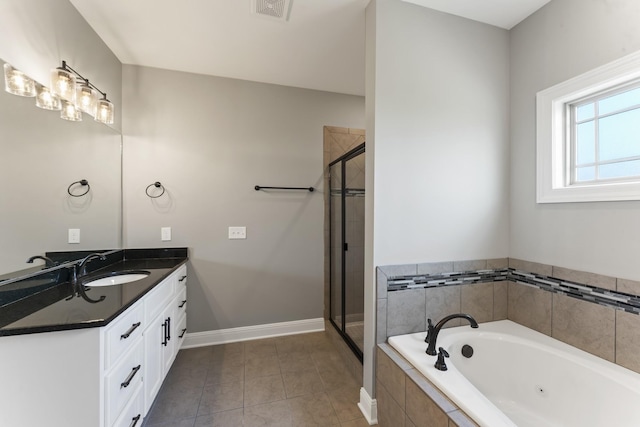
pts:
[52, 305]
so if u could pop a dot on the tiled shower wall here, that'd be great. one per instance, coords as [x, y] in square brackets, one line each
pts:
[607, 332]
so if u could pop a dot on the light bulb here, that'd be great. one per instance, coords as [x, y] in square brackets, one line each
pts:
[86, 98]
[17, 82]
[104, 112]
[63, 84]
[70, 112]
[47, 100]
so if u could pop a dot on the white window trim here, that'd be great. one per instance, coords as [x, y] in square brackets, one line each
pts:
[551, 138]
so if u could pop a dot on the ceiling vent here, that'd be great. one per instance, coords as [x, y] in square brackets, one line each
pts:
[278, 10]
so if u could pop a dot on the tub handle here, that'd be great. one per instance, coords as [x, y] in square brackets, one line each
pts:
[440, 363]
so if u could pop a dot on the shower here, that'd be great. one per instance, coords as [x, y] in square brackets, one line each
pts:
[346, 222]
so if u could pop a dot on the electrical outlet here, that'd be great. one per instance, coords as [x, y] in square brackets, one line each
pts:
[74, 235]
[165, 234]
[237, 233]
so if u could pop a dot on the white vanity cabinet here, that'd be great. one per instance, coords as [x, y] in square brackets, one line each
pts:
[161, 338]
[123, 362]
[94, 377]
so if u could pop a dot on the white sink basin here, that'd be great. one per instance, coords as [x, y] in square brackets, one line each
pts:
[117, 279]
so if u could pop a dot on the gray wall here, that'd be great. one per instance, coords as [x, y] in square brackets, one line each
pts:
[210, 140]
[441, 136]
[438, 120]
[560, 41]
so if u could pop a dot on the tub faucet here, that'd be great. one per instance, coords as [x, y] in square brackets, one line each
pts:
[433, 331]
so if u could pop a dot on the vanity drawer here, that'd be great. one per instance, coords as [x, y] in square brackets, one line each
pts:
[123, 381]
[181, 275]
[181, 302]
[121, 333]
[180, 331]
[157, 299]
[132, 414]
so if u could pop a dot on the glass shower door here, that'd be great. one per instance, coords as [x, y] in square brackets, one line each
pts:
[346, 213]
[354, 249]
[335, 213]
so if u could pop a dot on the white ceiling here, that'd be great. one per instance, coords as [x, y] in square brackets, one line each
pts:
[320, 47]
[500, 13]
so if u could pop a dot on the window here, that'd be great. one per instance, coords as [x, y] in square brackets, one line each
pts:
[605, 137]
[588, 136]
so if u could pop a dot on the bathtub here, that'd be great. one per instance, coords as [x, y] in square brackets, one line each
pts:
[520, 377]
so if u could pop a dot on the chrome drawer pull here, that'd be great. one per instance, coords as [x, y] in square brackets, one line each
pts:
[183, 332]
[182, 278]
[130, 331]
[183, 303]
[135, 420]
[133, 373]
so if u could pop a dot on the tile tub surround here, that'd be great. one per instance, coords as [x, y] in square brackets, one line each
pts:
[407, 399]
[595, 313]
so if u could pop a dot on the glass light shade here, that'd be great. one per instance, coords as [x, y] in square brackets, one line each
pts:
[63, 84]
[17, 82]
[47, 100]
[70, 112]
[86, 98]
[104, 112]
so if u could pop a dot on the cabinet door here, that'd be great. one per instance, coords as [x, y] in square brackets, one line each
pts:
[153, 338]
[168, 344]
[158, 348]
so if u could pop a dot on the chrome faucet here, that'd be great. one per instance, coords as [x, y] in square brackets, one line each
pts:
[48, 262]
[80, 269]
[433, 331]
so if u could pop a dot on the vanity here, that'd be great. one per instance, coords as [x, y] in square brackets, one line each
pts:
[69, 360]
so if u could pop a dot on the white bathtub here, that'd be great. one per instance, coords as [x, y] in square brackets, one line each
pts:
[520, 377]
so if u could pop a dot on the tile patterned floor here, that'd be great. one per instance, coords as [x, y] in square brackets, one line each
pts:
[293, 381]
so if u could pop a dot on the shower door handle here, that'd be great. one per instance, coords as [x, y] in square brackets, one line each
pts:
[346, 246]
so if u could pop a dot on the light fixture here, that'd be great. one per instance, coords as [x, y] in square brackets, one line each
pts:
[84, 97]
[104, 111]
[70, 112]
[47, 100]
[70, 93]
[63, 83]
[18, 83]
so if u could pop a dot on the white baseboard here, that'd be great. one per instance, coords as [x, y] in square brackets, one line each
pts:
[245, 333]
[368, 407]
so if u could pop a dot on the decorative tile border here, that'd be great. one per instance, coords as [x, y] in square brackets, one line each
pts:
[446, 279]
[605, 297]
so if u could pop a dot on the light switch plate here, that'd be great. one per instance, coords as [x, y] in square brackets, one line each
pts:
[165, 234]
[74, 235]
[237, 233]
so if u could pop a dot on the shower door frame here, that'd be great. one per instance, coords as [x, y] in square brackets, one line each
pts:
[360, 149]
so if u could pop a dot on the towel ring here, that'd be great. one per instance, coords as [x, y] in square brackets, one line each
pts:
[82, 182]
[156, 184]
